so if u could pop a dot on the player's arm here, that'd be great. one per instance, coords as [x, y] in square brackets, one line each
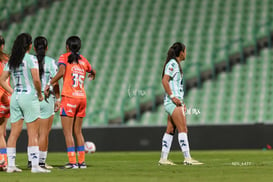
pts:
[55, 79]
[56, 90]
[58, 76]
[92, 74]
[37, 82]
[3, 81]
[165, 82]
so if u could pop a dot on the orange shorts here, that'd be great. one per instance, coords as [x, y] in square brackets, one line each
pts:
[72, 107]
[4, 110]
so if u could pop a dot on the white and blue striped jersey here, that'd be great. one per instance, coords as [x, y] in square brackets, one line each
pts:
[176, 80]
[22, 77]
[50, 70]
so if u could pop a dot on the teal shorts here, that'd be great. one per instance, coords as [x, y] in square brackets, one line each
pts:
[24, 106]
[169, 107]
[47, 108]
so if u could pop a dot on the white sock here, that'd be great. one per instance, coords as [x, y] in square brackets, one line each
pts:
[166, 145]
[11, 153]
[42, 156]
[33, 152]
[184, 144]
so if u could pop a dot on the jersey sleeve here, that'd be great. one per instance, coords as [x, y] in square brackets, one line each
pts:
[33, 63]
[171, 69]
[62, 60]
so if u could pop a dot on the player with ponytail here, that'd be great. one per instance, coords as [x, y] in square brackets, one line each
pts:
[73, 68]
[172, 81]
[24, 102]
[50, 105]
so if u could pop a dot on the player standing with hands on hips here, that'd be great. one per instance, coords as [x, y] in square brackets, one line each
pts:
[73, 68]
[172, 81]
[24, 102]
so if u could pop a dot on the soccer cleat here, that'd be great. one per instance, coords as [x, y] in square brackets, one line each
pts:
[29, 164]
[45, 166]
[165, 162]
[82, 165]
[71, 166]
[3, 167]
[13, 169]
[38, 169]
[190, 161]
[2, 162]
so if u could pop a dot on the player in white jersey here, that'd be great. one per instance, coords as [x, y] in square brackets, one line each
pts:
[24, 104]
[50, 105]
[172, 81]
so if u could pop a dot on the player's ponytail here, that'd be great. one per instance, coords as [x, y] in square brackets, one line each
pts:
[19, 49]
[174, 52]
[3, 56]
[74, 45]
[40, 45]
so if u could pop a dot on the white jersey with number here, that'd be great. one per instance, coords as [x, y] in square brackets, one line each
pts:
[176, 80]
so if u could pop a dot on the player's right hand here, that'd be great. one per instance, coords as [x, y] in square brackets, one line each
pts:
[40, 97]
[176, 101]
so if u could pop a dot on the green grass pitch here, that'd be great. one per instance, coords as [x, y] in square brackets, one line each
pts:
[220, 166]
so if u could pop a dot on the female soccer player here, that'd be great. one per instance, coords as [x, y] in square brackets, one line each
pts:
[73, 68]
[24, 102]
[47, 70]
[4, 108]
[172, 81]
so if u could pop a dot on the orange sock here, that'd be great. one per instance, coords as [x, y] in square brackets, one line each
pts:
[81, 154]
[6, 159]
[81, 157]
[71, 155]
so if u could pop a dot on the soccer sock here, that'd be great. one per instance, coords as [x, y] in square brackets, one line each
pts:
[166, 145]
[33, 152]
[11, 153]
[81, 154]
[42, 156]
[3, 155]
[71, 155]
[184, 144]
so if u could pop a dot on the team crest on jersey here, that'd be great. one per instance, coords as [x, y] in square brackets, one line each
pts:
[170, 68]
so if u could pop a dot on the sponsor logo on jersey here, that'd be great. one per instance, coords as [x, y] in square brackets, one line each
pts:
[70, 105]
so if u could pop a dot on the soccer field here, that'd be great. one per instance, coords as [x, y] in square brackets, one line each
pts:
[235, 165]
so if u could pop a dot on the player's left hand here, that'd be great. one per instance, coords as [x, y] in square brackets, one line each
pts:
[57, 106]
[46, 91]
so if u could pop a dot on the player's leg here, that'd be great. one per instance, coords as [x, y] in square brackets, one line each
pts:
[33, 146]
[67, 124]
[15, 131]
[3, 144]
[80, 141]
[179, 120]
[167, 142]
[44, 130]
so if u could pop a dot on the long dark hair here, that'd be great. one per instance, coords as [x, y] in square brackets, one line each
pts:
[40, 44]
[174, 52]
[3, 56]
[74, 45]
[19, 49]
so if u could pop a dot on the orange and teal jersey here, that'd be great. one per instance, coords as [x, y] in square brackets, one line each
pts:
[74, 76]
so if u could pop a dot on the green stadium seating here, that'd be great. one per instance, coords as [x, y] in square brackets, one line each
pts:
[127, 42]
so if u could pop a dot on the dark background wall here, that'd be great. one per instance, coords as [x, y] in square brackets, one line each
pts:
[205, 137]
